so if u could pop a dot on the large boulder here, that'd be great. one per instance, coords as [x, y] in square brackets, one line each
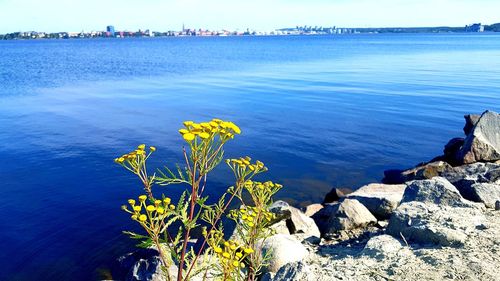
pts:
[346, 215]
[470, 122]
[427, 223]
[282, 249]
[434, 212]
[487, 193]
[296, 271]
[379, 199]
[465, 176]
[434, 191]
[296, 220]
[482, 144]
[424, 171]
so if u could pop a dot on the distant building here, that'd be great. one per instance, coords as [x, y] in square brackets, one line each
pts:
[110, 30]
[476, 27]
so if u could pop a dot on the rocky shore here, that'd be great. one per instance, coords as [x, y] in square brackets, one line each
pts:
[437, 221]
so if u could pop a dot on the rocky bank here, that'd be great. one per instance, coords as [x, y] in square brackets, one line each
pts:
[437, 221]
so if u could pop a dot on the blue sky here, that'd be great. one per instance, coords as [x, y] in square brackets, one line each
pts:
[68, 15]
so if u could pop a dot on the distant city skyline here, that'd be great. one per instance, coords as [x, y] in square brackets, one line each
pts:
[63, 15]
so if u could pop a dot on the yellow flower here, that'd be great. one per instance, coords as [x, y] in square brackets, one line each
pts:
[150, 208]
[188, 137]
[188, 123]
[166, 201]
[141, 146]
[204, 135]
[152, 148]
[239, 255]
[218, 250]
[236, 263]
[213, 124]
[248, 250]
[157, 202]
[131, 202]
[172, 207]
[226, 255]
[143, 218]
[143, 198]
[134, 217]
[137, 208]
[196, 126]
[251, 224]
[160, 210]
[120, 160]
[242, 265]
[183, 131]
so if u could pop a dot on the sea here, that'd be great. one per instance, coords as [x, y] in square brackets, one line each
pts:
[319, 111]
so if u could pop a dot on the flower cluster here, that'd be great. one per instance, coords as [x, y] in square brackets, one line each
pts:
[150, 216]
[251, 216]
[134, 159]
[230, 253]
[243, 167]
[207, 130]
[261, 193]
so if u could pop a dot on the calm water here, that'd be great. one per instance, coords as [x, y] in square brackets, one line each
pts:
[319, 111]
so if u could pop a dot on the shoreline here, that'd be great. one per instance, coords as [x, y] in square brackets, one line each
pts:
[439, 220]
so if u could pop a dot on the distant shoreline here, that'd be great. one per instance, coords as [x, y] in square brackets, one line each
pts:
[304, 30]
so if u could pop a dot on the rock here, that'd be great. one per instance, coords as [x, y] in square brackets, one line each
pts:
[434, 191]
[379, 199]
[296, 221]
[281, 209]
[483, 142]
[393, 176]
[427, 223]
[381, 246]
[487, 193]
[451, 149]
[463, 177]
[282, 249]
[312, 209]
[470, 122]
[280, 227]
[333, 196]
[346, 215]
[296, 271]
[425, 171]
[144, 264]
[497, 205]
[434, 212]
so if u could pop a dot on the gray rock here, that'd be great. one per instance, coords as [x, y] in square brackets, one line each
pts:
[280, 227]
[346, 215]
[379, 199]
[463, 177]
[424, 171]
[282, 249]
[483, 142]
[470, 122]
[451, 149]
[434, 191]
[427, 223]
[382, 246]
[487, 193]
[281, 209]
[296, 271]
[296, 221]
[333, 196]
[312, 209]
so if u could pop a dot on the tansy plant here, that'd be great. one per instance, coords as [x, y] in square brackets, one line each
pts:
[169, 226]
